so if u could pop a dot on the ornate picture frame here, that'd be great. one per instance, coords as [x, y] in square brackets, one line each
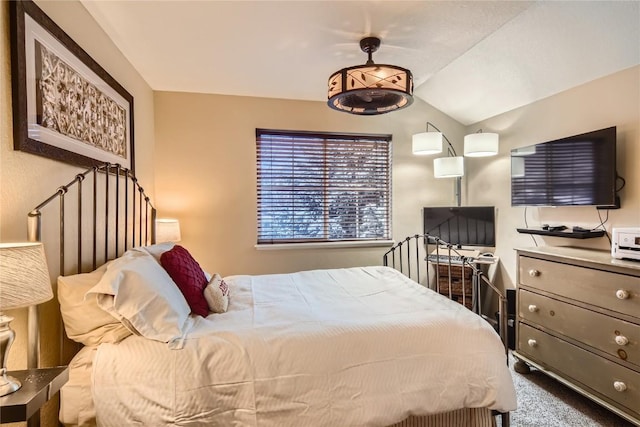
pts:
[65, 105]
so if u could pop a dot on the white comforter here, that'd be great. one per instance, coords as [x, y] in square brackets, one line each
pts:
[344, 347]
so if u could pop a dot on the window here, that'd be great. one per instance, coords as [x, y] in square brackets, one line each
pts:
[323, 187]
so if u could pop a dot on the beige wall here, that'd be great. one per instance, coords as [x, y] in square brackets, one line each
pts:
[26, 179]
[205, 170]
[203, 164]
[206, 175]
[610, 101]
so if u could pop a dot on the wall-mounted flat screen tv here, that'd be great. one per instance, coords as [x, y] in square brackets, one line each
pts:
[578, 170]
[461, 225]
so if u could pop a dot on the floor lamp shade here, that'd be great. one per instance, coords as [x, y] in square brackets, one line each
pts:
[24, 281]
[167, 230]
[448, 167]
[481, 144]
[427, 143]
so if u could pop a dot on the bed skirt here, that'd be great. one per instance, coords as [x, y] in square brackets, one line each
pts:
[466, 417]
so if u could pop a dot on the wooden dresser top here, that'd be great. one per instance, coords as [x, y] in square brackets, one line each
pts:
[594, 258]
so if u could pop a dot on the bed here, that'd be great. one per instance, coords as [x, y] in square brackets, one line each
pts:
[364, 346]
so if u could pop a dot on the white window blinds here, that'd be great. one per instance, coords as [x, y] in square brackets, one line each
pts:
[315, 187]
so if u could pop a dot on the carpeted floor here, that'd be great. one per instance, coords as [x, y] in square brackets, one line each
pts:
[545, 402]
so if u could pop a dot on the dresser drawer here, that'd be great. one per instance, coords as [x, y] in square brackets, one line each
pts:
[616, 337]
[613, 291]
[596, 373]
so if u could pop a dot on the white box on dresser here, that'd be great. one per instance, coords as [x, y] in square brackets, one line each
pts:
[578, 320]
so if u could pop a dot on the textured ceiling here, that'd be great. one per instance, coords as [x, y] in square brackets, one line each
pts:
[471, 60]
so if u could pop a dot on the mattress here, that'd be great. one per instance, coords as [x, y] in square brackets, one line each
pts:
[359, 347]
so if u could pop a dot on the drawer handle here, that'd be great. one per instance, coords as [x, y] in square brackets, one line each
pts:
[622, 294]
[534, 273]
[619, 386]
[533, 308]
[532, 343]
[622, 340]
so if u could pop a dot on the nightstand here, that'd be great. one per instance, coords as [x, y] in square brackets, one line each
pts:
[38, 386]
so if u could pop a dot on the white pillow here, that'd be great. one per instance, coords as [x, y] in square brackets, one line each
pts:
[156, 250]
[84, 321]
[139, 292]
[217, 294]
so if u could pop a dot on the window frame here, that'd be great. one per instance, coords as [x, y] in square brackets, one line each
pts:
[326, 138]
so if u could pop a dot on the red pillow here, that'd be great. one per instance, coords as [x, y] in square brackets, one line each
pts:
[186, 272]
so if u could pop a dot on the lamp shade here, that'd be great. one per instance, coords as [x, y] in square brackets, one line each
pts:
[427, 143]
[481, 144]
[24, 277]
[448, 167]
[167, 230]
[370, 90]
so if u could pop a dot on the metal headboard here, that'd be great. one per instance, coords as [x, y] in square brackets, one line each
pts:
[104, 207]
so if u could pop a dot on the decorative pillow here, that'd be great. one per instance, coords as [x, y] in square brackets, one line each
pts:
[217, 294]
[84, 321]
[140, 293]
[191, 280]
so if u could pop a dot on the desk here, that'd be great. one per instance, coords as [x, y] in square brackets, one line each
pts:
[38, 386]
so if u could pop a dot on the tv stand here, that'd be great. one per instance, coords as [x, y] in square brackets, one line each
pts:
[564, 233]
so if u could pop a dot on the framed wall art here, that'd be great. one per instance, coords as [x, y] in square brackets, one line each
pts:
[65, 105]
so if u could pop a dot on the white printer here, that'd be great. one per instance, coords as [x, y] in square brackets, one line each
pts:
[625, 243]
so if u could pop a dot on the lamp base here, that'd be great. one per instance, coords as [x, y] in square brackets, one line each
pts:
[8, 385]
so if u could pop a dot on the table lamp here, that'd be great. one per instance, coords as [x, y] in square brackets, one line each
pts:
[167, 230]
[24, 281]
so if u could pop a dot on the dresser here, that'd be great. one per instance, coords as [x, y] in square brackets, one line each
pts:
[578, 320]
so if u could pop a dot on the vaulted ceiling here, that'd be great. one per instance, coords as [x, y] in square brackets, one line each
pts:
[470, 59]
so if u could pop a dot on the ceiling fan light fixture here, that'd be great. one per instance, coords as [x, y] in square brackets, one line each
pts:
[370, 89]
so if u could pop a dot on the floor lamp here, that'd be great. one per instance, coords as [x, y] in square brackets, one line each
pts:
[475, 145]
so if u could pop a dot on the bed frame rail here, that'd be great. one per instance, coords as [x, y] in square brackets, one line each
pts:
[104, 207]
